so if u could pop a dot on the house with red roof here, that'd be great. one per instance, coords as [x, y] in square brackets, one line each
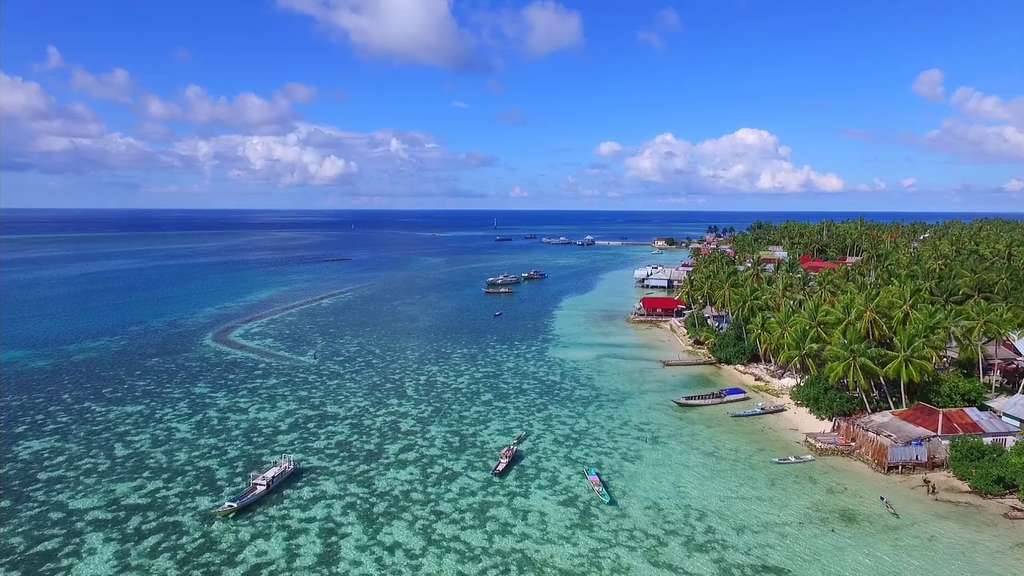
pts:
[659, 307]
[919, 436]
[815, 266]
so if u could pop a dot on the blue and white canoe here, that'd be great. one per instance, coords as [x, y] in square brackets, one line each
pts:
[723, 396]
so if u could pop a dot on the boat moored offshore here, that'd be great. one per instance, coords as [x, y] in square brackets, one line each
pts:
[503, 280]
[559, 240]
[534, 275]
[259, 486]
[721, 397]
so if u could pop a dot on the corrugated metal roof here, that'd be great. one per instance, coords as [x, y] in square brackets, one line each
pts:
[897, 430]
[990, 422]
[1012, 405]
[954, 420]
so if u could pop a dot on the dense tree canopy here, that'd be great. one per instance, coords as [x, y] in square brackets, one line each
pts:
[888, 320]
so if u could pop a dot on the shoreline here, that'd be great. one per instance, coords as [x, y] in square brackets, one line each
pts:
[796, 421]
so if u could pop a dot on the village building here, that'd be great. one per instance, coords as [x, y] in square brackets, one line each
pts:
[716, 318]
[1009, 408]
[655, 276]
[659, 307]
[664, 243]
[919, 436]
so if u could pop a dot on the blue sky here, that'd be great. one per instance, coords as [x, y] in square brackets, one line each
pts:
[436, 104]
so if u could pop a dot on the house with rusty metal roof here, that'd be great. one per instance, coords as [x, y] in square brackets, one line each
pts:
[919, 436]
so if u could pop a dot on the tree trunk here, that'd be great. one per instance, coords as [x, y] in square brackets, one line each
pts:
[981, 370]
[888, 397]
[903, 392]
[865, 398]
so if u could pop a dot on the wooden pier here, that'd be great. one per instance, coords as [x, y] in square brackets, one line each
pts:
[667, 363]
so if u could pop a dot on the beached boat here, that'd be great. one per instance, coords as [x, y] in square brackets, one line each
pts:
[760, 409]
[534, 275]
[723, 396]
[507, 456]
[259, 486]
[594, 479]
[501, 290]
[502, 238]
[794, 459]
[503, 280]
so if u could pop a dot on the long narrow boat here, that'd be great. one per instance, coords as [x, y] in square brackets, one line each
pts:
[723, 396]
[507, 456]
[794, 459]
[594, 479]
[500, 290]
[760, 410]
[259, 486]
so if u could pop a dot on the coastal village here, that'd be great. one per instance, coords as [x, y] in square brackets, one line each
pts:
[900, 438]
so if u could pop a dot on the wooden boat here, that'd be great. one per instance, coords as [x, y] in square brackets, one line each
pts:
[534, 275]
[723, 396]
[504, 279]
[259, 486]
[501, 290]
[597, 484]
[888, 506]
[507, 456]
[794, 459]
[759, 410]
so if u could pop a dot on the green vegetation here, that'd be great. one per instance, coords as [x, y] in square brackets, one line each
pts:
[823, 399]
[952, 390]
[729, 347]
[988, 468]
[878, 329]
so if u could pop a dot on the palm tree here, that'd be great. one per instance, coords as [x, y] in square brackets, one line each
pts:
[850, 360]
[802, 349]
[759, 330]
[909, 360]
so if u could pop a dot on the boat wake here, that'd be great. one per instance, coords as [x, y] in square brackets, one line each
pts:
[225, 335]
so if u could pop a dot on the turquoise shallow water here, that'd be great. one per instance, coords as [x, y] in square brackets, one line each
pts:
[124, 424]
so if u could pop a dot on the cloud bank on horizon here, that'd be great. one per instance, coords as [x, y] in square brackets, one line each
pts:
[541, 104]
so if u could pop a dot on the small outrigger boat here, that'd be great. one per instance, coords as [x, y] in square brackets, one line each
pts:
[794, 459]
[502, 238]
[723, 396]
[507, 456]
[534, 275]
[889, 507]
[501, 290]
[259, 486]
[597, 484]
[760, 409]
[504, 280]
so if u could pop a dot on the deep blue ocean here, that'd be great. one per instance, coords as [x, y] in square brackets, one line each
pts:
[126, 420]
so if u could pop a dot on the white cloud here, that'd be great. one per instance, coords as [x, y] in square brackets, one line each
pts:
[41, 134]
[876, 185]
[115, 85]
[748, 160]
[666, 21]
[1014, 185]
[909, 184]
[985, 142]
[459, 104]
[976, 104]
[246, 110]
[518, 192]
[417, 31]
[53, 58]
[608, 148]
[928, 85]
[550, 27]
